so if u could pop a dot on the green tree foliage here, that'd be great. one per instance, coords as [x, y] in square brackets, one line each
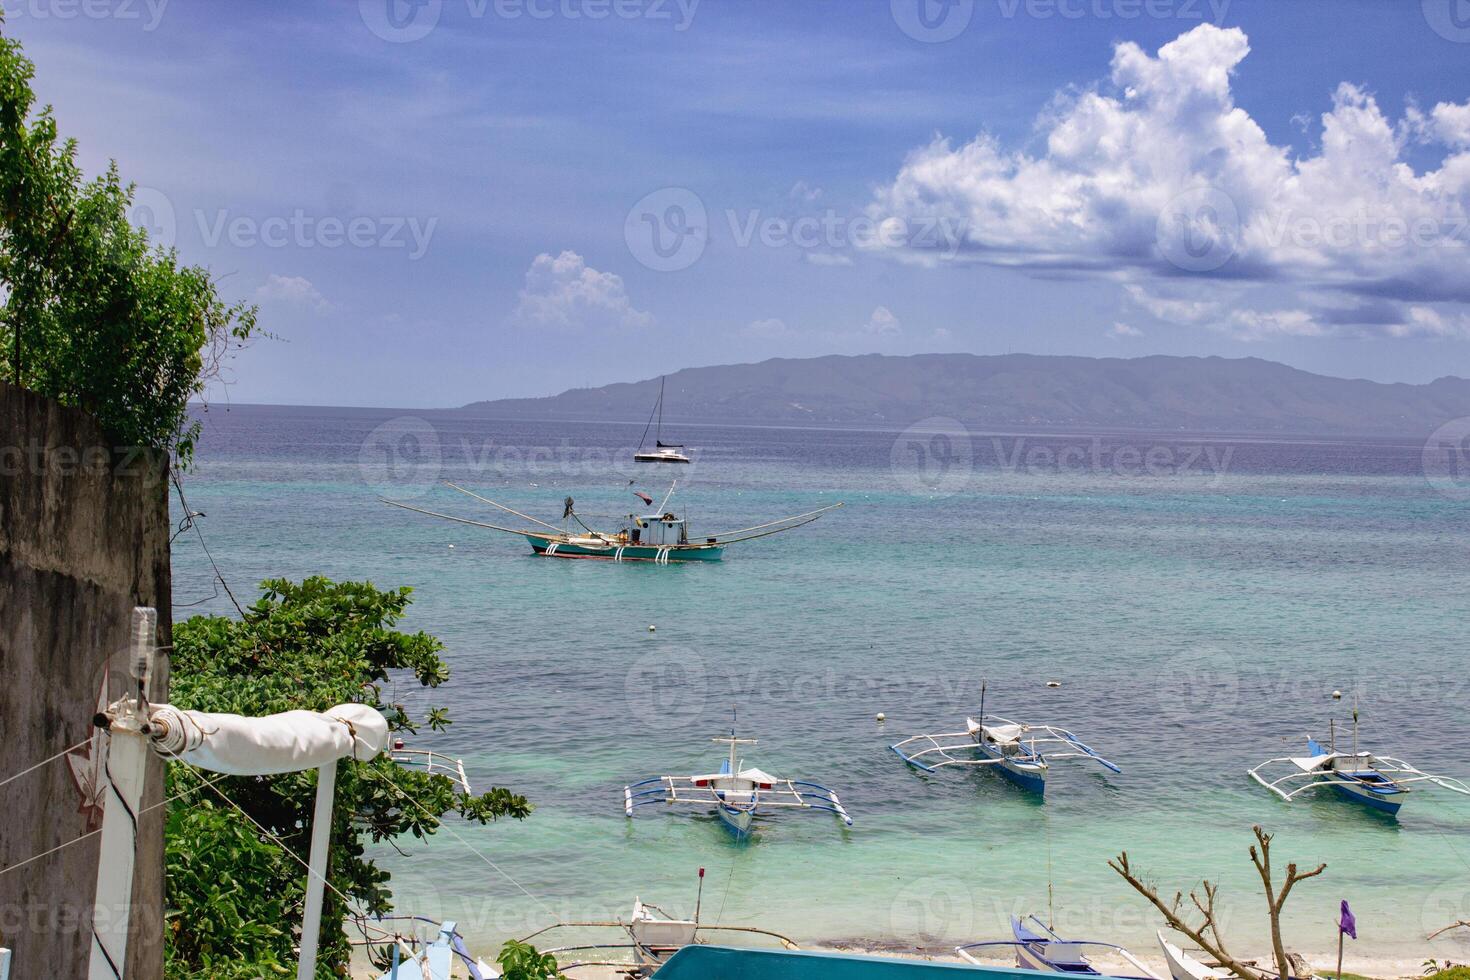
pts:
[92, 315]
[522, 961]
[234, 897]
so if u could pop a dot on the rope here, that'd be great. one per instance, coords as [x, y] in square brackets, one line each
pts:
[189, 520]
[67, 751]
[473, 850]
[92, 833]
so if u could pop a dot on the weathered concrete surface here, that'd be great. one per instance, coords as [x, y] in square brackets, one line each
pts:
[83, 539]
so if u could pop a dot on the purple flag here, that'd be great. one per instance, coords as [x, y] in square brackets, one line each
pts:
[1348, 924]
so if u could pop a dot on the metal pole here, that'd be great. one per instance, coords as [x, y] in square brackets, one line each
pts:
[321, 833]
[125, 763]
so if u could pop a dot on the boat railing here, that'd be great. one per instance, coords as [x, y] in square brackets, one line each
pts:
[433, 763]
[1144, 972]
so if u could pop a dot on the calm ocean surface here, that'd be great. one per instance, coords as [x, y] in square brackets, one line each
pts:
[1197, 598]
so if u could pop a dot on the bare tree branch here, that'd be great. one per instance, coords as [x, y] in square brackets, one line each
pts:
[1206, 935]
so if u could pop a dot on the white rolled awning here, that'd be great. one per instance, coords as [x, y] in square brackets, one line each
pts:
[287, 742]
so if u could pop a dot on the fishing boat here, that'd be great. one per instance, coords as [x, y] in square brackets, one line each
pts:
[649, 937]
[1020, 751]
[1380, 782]
[1037, 947]
[662, 452]
[1182, 966]
[656, 535]
[736, 793]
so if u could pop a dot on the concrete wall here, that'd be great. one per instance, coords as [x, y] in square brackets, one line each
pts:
[84, 538]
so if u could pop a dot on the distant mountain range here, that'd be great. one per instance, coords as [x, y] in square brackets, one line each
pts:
[1192, 393]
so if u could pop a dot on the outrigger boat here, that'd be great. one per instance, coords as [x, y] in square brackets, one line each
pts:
[651, 936]
[1037, 947]
[1020, 751]
[663, 452]
[736, 793]
[1182, 966]
[1378, 781]
[659, 536]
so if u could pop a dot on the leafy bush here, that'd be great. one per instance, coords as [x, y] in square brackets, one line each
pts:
[522, 961]
[233, 898]
[93, 316]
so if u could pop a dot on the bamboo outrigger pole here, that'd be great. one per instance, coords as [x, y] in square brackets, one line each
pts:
[451, 517]
[487, 500]
[809, 514]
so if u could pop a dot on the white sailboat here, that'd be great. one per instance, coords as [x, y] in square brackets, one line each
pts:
[662, 452]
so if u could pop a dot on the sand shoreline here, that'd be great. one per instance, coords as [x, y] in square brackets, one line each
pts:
[1324, 963]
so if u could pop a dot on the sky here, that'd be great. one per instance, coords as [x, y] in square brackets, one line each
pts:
[440, 201]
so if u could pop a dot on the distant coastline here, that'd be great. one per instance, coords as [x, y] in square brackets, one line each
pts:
[1157, 393]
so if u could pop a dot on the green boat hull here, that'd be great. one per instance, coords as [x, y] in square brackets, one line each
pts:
[549, 547]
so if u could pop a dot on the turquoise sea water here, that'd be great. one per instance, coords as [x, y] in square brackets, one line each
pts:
[1197, 598]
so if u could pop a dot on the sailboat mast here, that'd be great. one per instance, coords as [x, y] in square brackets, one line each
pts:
[660, 433]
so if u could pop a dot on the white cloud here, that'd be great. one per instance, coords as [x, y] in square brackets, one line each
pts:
[941, 335]
[882, 323]
[1170, 309]
[1269, 324]
[293, 291]
[768, 329]
[566, 292]
[1425, 321]
[1156, 174]
[831, 259]
[1120, 330]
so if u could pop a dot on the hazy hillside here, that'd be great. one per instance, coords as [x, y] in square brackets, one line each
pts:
[1247, 394]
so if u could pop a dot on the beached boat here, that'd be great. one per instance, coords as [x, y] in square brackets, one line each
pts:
[658, 535]
[1037, 947]
[663, 452]
[649, 937]
[736, 793]
[1381, 782]
[1182, 966]
[412, 954]
[1020, 751]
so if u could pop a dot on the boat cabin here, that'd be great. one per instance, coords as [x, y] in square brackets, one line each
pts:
[657, 530]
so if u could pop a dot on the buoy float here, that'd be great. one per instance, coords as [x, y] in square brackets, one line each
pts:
[1337, 695]
[882, 716]
[1053, 683]
[651, 627]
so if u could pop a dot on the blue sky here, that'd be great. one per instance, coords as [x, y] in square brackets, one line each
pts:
[447, 200]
